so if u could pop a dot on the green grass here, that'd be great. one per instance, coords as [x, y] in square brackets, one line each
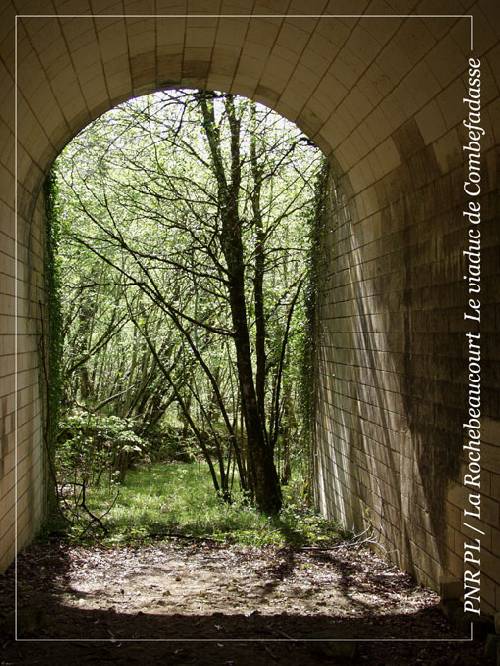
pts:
[178, 498]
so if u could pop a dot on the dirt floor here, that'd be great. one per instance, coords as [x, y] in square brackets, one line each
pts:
[238, 605]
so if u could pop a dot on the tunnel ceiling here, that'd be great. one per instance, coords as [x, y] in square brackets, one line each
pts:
[351, 84]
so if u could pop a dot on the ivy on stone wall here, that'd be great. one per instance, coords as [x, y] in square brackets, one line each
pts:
[52, 330]
[307, 389]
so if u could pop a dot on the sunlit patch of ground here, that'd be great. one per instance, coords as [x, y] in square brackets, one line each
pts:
[215, 604]
[203, 579]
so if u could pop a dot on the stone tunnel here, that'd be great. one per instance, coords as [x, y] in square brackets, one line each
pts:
[378, 85]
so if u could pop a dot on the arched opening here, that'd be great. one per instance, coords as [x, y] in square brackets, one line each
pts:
[180, 220]
[184, 223]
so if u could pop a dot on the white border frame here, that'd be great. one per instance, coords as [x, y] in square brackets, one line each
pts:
[16, 202]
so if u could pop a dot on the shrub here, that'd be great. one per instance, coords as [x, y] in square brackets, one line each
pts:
[92, 447]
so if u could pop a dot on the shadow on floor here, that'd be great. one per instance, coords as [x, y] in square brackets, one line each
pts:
[98, 636]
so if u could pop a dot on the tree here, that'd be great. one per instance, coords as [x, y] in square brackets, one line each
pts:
[187, 207]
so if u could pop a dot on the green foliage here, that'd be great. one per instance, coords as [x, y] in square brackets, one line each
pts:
[177, 499]
[306, 339]
[170, 444]
[52, 339]
[92, 445]
[149, 330]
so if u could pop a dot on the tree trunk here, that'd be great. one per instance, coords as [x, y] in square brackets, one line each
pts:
[265, 480]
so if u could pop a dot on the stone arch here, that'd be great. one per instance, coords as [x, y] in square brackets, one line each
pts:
[382, 98]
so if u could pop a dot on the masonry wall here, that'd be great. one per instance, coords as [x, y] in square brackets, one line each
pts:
[391, 366]
[27, 421]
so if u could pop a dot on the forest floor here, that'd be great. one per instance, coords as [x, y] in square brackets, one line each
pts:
[274, 600]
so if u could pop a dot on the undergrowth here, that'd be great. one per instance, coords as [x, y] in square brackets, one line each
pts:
[177, 499]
